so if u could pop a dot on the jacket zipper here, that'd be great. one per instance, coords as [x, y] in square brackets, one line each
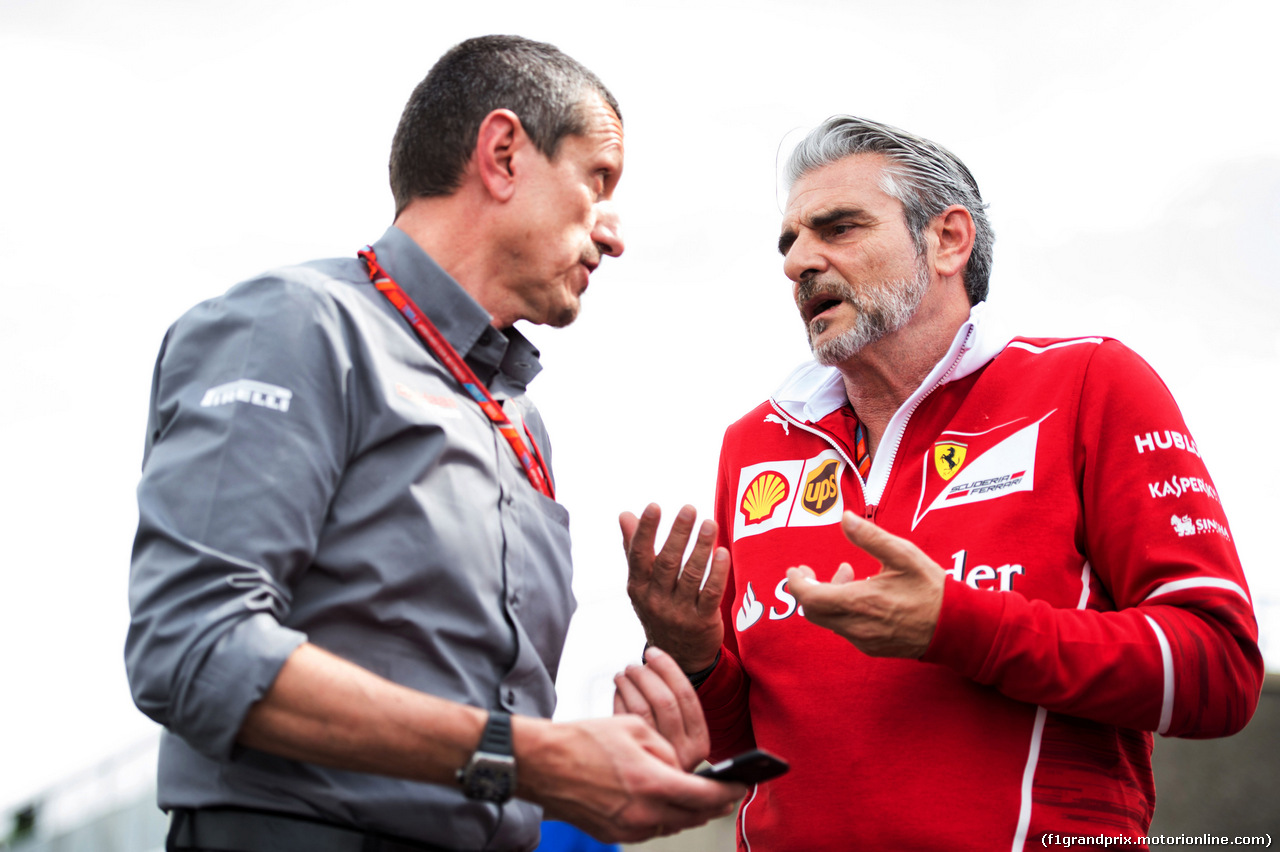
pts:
[899, 433]
[870, 511]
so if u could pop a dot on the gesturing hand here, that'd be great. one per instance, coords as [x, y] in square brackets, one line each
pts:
[892, 614]
[661, 694]
[679, 613]
[616, 778]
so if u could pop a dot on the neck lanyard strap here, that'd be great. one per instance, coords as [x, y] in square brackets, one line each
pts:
[534, 466]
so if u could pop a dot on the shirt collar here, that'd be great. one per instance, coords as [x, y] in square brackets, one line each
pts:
[459, 317]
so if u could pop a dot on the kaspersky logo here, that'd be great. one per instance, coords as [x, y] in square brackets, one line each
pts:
[969, 467]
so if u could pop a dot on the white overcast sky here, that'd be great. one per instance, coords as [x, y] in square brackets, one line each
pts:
[154, 153]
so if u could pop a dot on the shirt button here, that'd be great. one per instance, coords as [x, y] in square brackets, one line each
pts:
[511, 698]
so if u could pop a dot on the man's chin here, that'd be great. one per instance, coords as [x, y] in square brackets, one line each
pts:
[563, 315]
[836, 349]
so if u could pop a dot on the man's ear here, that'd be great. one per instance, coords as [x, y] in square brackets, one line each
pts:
[500, 136]
[955, 233]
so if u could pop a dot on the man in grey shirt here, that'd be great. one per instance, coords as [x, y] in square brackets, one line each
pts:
[351, 585]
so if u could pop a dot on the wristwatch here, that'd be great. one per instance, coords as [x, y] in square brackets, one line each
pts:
[490, 774]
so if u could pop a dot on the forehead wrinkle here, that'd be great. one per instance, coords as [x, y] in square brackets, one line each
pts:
[602, 129]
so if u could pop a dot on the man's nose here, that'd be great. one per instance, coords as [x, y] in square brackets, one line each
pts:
[804, 258]
[607, 234]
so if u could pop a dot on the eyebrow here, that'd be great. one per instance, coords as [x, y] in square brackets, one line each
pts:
[817, 222]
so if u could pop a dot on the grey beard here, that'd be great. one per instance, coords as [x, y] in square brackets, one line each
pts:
[881, 311]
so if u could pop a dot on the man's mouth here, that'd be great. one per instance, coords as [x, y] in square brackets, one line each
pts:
[587, 268]
[818, 305]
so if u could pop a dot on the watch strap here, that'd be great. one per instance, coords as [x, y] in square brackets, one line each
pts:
[496, 738]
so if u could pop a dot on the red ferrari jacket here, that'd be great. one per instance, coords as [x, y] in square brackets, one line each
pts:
[1095, 596]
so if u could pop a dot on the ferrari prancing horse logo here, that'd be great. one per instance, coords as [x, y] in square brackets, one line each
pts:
[948, 456]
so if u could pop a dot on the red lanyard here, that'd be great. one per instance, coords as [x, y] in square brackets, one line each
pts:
[532, 462]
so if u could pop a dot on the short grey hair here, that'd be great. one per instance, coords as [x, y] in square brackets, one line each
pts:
[923, 175]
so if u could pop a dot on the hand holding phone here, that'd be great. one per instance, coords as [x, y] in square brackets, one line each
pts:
[750, 767]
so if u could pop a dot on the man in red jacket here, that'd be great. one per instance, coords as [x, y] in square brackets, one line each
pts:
[958, 578]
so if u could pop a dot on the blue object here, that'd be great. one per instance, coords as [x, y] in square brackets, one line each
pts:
[562, 837]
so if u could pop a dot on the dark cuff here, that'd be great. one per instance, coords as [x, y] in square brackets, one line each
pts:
[695, 678]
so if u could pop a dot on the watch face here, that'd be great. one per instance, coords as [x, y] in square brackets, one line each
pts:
[490, 778]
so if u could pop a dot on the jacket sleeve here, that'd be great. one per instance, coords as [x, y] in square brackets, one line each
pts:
[246, 439]
[724, 695]
[1165, 638]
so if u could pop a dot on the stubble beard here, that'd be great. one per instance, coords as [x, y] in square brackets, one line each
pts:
[564, 314]
[880, 310]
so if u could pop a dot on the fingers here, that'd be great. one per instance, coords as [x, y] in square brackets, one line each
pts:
[648, 738]
[697, 795]
[692, 801]
[638, 536]
[684, 801]
[690, 581]
[623, 781]
[844, 574]
[663, 569]
[814, 596]
[627, 698]
[885, 547]
[649, 697]
[660, 693]
[666, 565]
[891, 614]
[676, 613]
[801, 574]
[713, 589]
[643, 693]
[628, 522]
[685, 704]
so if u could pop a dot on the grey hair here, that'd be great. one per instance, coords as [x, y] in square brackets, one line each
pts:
[923, 175]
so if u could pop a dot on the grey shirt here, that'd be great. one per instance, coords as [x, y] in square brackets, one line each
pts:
[313, 473]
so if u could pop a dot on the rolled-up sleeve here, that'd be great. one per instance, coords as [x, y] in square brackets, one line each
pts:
[247, 437]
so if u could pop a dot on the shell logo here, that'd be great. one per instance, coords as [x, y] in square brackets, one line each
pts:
[763, 495]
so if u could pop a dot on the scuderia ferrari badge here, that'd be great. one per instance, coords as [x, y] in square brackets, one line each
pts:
[948, 456]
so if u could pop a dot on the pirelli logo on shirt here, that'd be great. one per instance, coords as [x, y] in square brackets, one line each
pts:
[253, 392]
[789, 493]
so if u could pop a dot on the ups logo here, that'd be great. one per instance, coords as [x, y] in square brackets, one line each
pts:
[822, 488]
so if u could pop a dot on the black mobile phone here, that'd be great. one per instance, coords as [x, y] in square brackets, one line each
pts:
[750, 767]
